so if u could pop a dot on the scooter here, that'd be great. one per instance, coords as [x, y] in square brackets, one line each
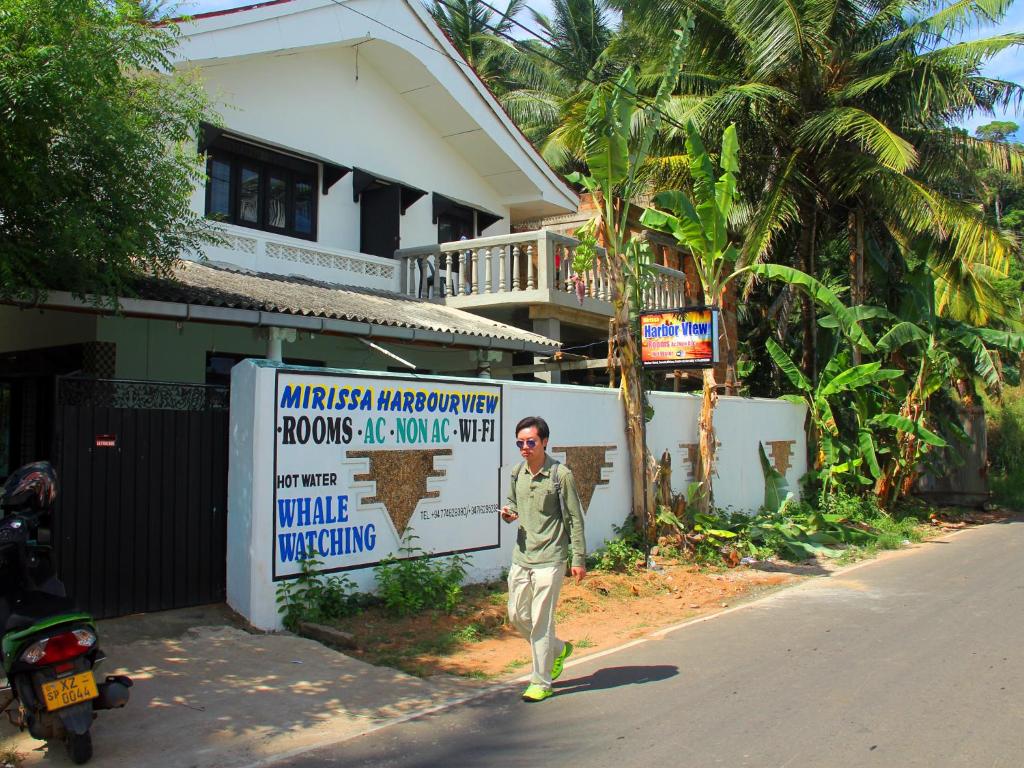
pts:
[48, 650]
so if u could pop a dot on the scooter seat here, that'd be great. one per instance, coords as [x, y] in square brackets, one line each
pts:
[34, 607]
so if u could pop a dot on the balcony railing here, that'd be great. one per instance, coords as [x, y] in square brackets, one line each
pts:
[501, 266]
[275, 254]
[511, 267]
[666, 290]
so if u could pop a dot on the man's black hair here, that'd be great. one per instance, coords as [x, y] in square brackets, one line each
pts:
[534, 421]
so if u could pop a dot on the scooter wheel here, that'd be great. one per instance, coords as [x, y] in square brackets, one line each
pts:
[79, 747]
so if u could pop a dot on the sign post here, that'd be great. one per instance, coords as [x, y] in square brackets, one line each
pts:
[679, 338]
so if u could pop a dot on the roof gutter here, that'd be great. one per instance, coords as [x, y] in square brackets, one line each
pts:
[252, 318]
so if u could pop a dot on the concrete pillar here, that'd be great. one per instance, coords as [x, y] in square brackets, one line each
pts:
[275, 339]
[552, 328]
[484, 359]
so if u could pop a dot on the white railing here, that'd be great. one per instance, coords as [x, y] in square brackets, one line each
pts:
[666, 289]
[505, 264]
[275, 254]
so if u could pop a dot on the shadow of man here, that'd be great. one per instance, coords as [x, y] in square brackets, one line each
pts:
[615, 677]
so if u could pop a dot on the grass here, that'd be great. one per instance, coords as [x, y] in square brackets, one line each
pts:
[515, 664]
[471, 633]
[584, 642]
[10, 758]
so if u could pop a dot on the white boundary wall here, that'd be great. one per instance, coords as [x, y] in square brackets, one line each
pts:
[457, 505]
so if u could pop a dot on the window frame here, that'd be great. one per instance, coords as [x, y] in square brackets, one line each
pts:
[267, 162]
[461, 214]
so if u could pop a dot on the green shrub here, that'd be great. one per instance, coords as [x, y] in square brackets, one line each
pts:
[1006, 432]
[622, 552]
[418, 582]
[316, 598]
[1006, 447]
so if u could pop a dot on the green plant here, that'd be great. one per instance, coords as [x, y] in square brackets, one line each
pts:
[1006, 447]
[315, 598]
[515, 664]
[471, 633]
[844, 448]
[621, 553]
[99, 148]
[417, 581]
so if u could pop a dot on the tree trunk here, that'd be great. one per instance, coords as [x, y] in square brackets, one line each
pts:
[808, 360]
[633, 406]
[855, 235]
[902, 468]
[728, 341]
[706, 438]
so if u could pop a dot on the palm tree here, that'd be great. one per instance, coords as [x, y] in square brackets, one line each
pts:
[552, 78]
[476, 30]
[843, 106]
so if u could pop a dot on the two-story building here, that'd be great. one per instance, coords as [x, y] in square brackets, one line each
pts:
[347, 131]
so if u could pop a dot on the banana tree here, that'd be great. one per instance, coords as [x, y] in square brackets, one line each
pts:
[937, 352]
[841, 446]
[702, 226]
[616, 156]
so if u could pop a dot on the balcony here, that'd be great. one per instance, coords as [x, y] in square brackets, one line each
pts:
[278, 255]
[526, 268]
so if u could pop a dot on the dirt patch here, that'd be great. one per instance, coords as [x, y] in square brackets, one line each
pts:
[952, 520]
[607, 609]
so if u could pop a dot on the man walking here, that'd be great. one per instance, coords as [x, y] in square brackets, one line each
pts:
[544, 499]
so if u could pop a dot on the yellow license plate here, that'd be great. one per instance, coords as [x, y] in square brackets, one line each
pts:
[69, 690]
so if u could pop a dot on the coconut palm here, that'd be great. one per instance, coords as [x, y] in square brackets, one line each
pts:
[475, 28]
[843, 108]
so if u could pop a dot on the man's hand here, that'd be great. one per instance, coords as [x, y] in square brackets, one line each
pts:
[578, 572]
[508, 515]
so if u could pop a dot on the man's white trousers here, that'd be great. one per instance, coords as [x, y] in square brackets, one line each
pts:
[532, 597]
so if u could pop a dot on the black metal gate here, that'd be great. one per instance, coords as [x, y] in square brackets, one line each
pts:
[141, 523]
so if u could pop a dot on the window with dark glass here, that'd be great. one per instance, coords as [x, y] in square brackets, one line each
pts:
[456, 224]
[457, 220]
[253, 186]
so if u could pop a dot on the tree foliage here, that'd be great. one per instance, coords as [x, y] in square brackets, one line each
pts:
[99, 158]
[858, 195]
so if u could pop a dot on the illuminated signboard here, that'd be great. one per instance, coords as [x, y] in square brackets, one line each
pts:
[675, 338]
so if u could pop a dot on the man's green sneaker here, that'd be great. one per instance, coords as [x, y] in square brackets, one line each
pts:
[556, 668]
[537, 693]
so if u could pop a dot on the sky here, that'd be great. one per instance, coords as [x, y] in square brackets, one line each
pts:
[1009, 65]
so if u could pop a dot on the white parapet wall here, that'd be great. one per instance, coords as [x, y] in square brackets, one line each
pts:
[348, 463]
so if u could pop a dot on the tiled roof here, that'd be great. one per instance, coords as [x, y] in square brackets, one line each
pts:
[223, 286]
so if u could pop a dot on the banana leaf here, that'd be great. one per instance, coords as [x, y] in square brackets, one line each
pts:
[820, 293]
[776, 488]
[866, 443]
[787, 366]
[859, 313]
[902, 423]
[859, 376]
[900, 334]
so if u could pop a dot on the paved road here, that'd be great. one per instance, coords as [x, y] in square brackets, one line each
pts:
[914, 660]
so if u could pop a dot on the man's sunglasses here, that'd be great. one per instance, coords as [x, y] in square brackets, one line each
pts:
[529, 442]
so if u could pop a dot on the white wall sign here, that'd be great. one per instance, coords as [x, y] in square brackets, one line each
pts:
[363, 463]
[345, 461]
